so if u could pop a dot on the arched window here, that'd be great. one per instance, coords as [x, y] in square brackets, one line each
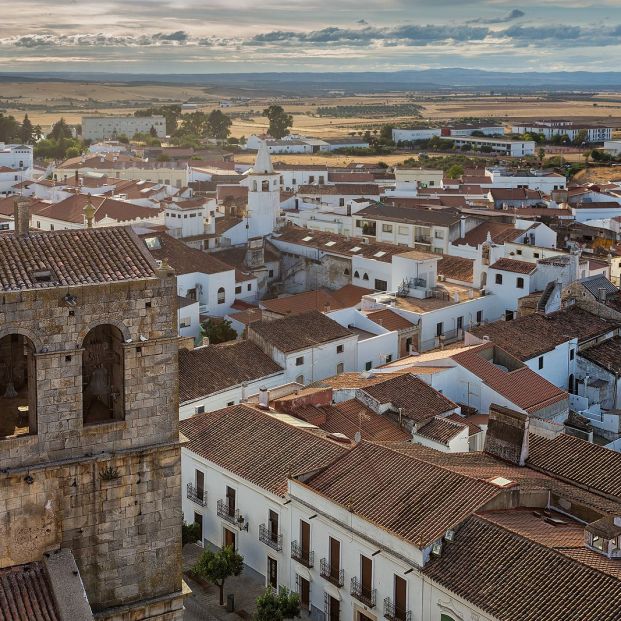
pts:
[265, 186]
[346, 272]
[254, 186]
[365, 277]
[103, 375]
[221, 295]
[356, 274]
[18, 384]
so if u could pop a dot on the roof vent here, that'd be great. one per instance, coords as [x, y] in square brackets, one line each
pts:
[42, 276]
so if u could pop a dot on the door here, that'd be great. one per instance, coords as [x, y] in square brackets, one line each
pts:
[400, 598]
[229, 538]
[304, 592]
[198, 519]
[335, 558]
[272, 572]
[305, 539]
[334, 608]
[366, 575]
[363, 617]
[273, 525]
[230, 500]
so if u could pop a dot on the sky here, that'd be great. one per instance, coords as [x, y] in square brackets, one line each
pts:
[223, 36]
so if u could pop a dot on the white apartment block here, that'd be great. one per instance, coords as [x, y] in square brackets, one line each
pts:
[413, 135]
[549, 129]
[109, 127]
[503, 146]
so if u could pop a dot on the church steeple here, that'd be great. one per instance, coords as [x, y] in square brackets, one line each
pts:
[263, 163]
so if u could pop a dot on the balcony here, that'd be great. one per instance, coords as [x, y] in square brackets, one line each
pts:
[196, 495]
[270, 538]
[363, 594]
[331, 574]
[233, 516]
[392, 612]
[306, 557]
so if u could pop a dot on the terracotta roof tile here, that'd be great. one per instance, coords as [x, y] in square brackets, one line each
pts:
[321, 300]
[456, 268]
[344, 189]
[441, 429]
[513, 265]
[73, 257]
[26, 594]
[256, 446]
[390, 320]
[606, 354]
[207, 370]
[298, 331]
[499, 232]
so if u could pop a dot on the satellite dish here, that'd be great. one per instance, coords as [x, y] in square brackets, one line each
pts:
[357, 437]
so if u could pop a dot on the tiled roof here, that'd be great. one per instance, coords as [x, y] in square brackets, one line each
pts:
[350, 177]
[248, 316]
[236, 256]
[390, 320]
[582, 463]
[441, 429]
[206, 370]
[343, 189]
[473, 421]
[298, 331]
[321, 300]
[513, 265]
[515, 194]
[533, 335]
[418, 400]
[78, 257]
[415, 500]
[512, 578]
[26, 594]
[257, 446]
[182, 258]
[594, 283]
[413, 215]
[456, 268]
[522, 386]
[606, 354]
[353, 380]
[499, 232]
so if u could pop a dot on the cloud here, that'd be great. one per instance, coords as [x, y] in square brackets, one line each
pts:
[49, 39]
[362, 22]
[515, 14]
[562, 36]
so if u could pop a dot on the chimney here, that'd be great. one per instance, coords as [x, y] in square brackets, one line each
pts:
[462, 227]
[264, 398]
[601, 294]
[326, 307]
[205, 342]
[21, 215]
[89, 212]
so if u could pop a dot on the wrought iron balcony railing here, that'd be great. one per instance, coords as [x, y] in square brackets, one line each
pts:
[199, 496]
[331, 574]
[392, 612]
[306, 557]
[270, 538]
[363, 594]
[233, 516]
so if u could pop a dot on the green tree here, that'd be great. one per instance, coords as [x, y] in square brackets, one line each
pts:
[218, 566]
[280, 121]
[72, 152]
[218, 125]
[455, 171]
[10, 129]
[218, 331]
[153, 132]
[581, 137]
[194, 123]
[541, 154]
[60, 130]
[190, 533]
[272, 606]
[171, 113]
[37, 133]
[27, 131]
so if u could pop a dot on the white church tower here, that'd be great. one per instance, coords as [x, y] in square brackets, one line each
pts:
[263, 195]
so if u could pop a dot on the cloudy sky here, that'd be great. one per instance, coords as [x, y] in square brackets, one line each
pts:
[205, 36]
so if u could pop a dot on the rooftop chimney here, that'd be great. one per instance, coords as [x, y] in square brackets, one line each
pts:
[22, 215]
[264, 398]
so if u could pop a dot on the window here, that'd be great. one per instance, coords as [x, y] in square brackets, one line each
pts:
[438, 234]
[230, 403]
[221, 295]
[340, 368]
[103, 375]
[340, 349]
[439, 329]
[520, 283]
[368, 365]
[444, 617]
[386, 228]
[250, 287]
[518, 252]
[18, 402]
[199, 409]
[388, 358]
[356, 274]
[499, 279]
[238, 289]
[403, 230]
[572, 354]
[381, 285]
[460, 323]
[299, 361]
[270, 274]
[346, 272]
[540, 362]
[365, 277]
[299, 379]
[536, 255]
[185, 322]
[341, 202]
[479, 316]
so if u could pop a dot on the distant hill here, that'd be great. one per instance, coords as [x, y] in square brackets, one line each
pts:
[306, 83]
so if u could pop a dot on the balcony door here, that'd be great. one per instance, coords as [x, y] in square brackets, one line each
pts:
[200, 484]
[273, 525]
[335, 557]
[366, 575]
[400, 598]
[305, 539]
[230, 500]
[304, 592]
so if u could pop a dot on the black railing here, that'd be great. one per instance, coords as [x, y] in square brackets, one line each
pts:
[199, 496]
[306, 557]
[331, 574]
[270, 538]
[392, 612]
[362, 593]
[328, 612]
[226, 512]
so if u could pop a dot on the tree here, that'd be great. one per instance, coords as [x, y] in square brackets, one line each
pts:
[218, 125]
[9, 129]
[581, 137]
[280, 121]
[60, 130]
[170, 113]
[455, 171]
[27, 131]
[218, 331]
[218, 566]
[386, 134]
[541, 154]
[190, 533]
[37, 133]
[153, 132]
[272, 606]
[194, 123]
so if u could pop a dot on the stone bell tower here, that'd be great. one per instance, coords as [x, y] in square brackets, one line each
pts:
[89, 440]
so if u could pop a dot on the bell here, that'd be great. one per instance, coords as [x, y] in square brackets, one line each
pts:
[10, 392]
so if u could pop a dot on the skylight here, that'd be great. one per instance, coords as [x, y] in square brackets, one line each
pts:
[307, 239]
[330, 243]
[356, 249]
[379, 254]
